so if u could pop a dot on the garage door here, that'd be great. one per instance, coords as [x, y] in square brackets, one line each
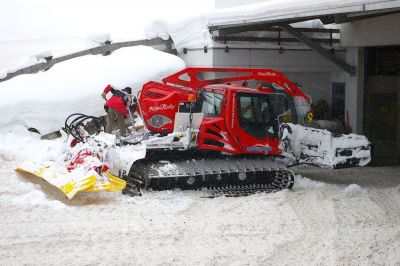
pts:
[382, 101]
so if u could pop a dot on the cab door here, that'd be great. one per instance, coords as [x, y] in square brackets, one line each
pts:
[258, 124]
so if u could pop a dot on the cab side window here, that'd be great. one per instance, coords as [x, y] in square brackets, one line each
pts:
[256, 115]
[211, 103]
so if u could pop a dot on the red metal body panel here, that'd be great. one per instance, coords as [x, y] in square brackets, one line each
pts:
[236, 140]
[159, 99]
[158, 103]
[260, 74]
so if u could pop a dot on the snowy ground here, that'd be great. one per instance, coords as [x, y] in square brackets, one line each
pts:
[324, 222]
[341, 217]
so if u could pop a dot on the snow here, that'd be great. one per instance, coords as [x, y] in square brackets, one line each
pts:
[326, 219]
[100, 38]
[35, 198]
[15, 52]
[199, 36]
[63, 27]
[191, 33]
[27, 61]
[20, 144]
[320, 147]
[352, 188]
[320, 221]
[301, 182]
[305, 226]
[44, 100]
[279, 9]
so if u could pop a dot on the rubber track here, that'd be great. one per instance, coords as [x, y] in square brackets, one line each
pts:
[229, 176]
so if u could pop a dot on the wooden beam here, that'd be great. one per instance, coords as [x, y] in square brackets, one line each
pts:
[344, 18]
[267, 39]
[269, 28]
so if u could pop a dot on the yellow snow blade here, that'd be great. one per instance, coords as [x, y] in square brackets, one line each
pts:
[111, 185]
[70, 189]
[69, 184]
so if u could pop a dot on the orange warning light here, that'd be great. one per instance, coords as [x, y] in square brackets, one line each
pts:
[191, 98]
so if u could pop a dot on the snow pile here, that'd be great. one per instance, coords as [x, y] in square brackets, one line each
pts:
[33, 198]
[28, 53]
[301, 182]
[99, 38]
[353, 188]
[44, 100]
[20, 144]
[27, 61]
[191, 33]
[121, 158]
[194, 33]
[320, 147]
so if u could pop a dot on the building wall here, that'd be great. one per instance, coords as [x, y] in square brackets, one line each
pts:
[354, 98]
[378, 31]
[316, 73]
[355, 36]
[302, 66]
[287, 61]
[197, 58]
[305, 67]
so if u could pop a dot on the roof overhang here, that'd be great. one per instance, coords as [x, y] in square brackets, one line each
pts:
[329, 11]
[350, 12]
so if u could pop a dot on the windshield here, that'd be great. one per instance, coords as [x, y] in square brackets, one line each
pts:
[211, 103]
[256, 115]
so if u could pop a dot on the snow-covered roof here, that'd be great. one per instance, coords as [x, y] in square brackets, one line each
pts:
[290, 10]
[194, 33]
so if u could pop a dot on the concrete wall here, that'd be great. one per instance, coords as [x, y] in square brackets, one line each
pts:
[379, 31]
[197, 58]
[230, 3]
[287, 61]
[304, 66]
[354, 98]
[316, 85]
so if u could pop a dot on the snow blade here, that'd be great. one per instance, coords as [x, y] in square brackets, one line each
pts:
[70, 184]
[319, 147]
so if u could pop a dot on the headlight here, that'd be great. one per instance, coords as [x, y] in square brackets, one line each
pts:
[158, 121]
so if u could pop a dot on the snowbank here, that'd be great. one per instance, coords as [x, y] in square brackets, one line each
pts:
[33, 199]
[44, 100]
[17, 54]
[301, 182]
[20, 144]
[352, 188]
[199, 36]
[191, 33]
